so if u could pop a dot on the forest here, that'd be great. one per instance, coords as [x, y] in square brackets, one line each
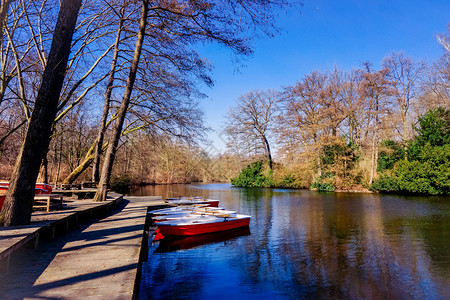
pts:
[385, 130]
[110, 94]
[88, 89]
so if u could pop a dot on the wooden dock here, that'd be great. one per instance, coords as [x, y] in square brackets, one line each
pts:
[99, 260]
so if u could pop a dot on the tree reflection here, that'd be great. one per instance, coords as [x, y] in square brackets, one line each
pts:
[323, 245]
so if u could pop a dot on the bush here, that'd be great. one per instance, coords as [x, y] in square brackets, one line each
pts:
[386, 184]
[434, 128]
[322, 187]
[324, 183]
[121, 184]
[429, 174]
[391, 153]
[427, 169]
[253, 176]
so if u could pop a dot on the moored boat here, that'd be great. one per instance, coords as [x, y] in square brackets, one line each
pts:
[46, 187]
[202, 224]
[2, 199]
[183, 209]
[193, 214]
[192, 201]
[40, 188]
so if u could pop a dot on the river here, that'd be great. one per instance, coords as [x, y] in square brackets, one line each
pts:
[305, 244]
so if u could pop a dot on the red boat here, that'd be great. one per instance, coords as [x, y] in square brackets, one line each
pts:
[182, 208]
[202, 224]
[192, 214]
[46, 187]
[40, 188]
[2, 200]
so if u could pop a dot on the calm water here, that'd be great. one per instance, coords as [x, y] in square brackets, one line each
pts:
[304, 244]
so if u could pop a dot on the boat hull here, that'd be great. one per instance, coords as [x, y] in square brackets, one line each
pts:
[202, 228]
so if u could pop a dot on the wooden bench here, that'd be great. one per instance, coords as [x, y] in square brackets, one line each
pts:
[89, 185]
[68, 186]
[48, 200]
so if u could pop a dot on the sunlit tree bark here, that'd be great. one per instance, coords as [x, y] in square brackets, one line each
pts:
[444, 39]
[117, 129]
[108, 93]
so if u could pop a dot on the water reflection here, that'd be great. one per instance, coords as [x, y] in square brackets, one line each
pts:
[184, 243]
[313, 245]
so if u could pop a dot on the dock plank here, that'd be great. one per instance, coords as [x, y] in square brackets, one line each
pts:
[99, 261]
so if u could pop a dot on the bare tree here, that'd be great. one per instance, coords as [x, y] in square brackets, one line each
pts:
[253, 119]
[374, 88]
[304, 111]
[117, 129]
[19, 202]
[108, 94]
[24, 58]
[435, 90]
[444, 39]
[4, 6]
[404, 75]
[173, 29]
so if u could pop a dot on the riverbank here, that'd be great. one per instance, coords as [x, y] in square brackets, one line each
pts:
[98, 259]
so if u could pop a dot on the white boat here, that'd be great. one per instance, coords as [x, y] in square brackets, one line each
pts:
[182, 209]
[191, 201]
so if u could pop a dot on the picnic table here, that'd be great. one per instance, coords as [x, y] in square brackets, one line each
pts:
[48, 200]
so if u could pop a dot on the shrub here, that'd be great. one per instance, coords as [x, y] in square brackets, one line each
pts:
[322, 187]
[386, 184]
[391, 153]
[324, 183]
[289, 181]
[427, 167]
[253, 176]
[429, 174]
[121, 184]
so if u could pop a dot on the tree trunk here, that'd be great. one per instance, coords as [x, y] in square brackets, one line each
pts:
[88, 159]
[319, 165]
[109, 88]
[268, 153]
[372, 164]
[58, 168]
[19, 202]
[117, 129]
[45, 168]
[4, 6]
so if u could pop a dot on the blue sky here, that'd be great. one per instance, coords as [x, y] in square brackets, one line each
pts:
[325, 33]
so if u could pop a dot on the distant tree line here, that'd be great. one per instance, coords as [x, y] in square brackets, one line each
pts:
[385, 130]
